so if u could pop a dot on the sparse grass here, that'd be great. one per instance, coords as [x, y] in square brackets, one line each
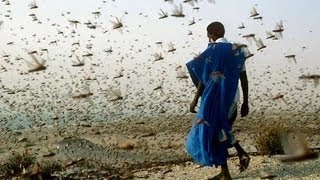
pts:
[268, 140]
[49, 167]
[17, 163]
[25, 165]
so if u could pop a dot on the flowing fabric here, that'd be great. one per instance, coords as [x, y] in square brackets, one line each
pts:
[218, 69]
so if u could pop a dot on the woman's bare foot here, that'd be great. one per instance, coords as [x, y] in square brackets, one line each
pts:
[244, 162]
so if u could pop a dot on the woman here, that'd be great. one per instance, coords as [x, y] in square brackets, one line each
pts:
[216, 72]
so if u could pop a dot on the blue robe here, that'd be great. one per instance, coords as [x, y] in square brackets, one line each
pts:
[207, 142]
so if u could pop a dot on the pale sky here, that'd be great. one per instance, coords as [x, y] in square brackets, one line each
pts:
[299, 18]
[134, 46]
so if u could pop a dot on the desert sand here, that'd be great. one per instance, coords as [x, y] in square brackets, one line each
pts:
[153, 149]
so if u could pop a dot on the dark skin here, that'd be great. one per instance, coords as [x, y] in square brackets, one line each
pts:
[199, 92]
[225, 174]
[245, 90]
[244, 87]
[243, 79]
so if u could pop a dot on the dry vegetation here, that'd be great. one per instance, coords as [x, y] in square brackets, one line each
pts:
[25, 165]
[268, 140]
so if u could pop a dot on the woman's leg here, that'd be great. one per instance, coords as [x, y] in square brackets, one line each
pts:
[242, 154]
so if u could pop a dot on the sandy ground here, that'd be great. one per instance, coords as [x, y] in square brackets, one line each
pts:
[155, 148]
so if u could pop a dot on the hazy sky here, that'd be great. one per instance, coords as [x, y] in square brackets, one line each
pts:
[134, 45]
[142, 29]
[299, 18]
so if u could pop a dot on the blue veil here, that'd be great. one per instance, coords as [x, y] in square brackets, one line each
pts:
[218, 69]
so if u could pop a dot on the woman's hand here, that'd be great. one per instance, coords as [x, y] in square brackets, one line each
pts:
[244, 109]
[193, 105]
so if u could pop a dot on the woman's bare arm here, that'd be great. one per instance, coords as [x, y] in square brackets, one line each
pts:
[196, 97]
